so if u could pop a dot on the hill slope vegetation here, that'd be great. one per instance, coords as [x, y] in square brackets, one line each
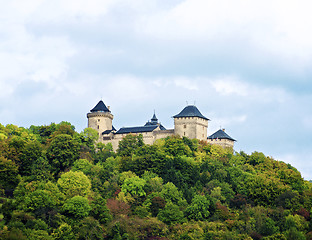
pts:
[56, 183]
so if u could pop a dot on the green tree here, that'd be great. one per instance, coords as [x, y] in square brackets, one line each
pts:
[129, 144]
[171, 194]
[175, 146]
[99, 209]
[62, 152]
[134, 186]
[8, 174]
[41, 170]
[90, 135]
[90, 228]
[82, 165]
[30, 153]
[77, 207]
[63, 232]
[170, 214]
[199, 208]
[74, 183]
[269, 227]
[39, 200]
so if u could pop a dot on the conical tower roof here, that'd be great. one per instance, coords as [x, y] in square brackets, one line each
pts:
[100, 107]
[154, 119]
[220, 134]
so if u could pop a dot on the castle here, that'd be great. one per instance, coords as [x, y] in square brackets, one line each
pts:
[188, 123]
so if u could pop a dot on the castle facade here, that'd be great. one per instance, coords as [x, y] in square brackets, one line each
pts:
[188, 123]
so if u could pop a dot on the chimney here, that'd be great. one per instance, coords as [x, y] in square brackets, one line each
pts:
[223, 129]
[108, 107]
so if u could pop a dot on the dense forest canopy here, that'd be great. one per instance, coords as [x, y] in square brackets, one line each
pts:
[56, 183]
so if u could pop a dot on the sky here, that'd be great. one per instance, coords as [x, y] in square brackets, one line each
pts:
[246, 65]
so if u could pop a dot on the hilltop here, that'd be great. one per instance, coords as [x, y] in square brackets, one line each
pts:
[57, 183]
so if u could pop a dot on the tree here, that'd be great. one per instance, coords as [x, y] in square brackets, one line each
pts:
[134, 186]
[76, 207]
[129, 144]
[62, 152]
[171, 194]
[30, 153]
[199, 208]
[90, 228]
[175, 146]
[74, 183]
[8, 174]
[90, 135]
[38, 201]
[63, 232]
[82, 165]
[100, 210]
[170, 214]
[41, 170]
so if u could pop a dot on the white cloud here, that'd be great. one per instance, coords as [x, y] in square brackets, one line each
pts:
[229, 85]
[185, 83]
[280, 29]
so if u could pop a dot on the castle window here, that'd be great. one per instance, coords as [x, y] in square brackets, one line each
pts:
[98, 120]
[184, 126]
[184, 133]
[98, 127]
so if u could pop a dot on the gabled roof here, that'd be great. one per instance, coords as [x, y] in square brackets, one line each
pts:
[106, 132]
[109, 131]
[100, 107]
[158, 124]
[190, 111]
[148, 128]
[220, 134]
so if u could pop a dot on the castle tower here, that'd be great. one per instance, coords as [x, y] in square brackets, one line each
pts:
[191, 123]
[100, 118]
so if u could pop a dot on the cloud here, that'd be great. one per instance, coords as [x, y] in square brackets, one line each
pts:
[231, 85]
[185, 83]
[266, 27]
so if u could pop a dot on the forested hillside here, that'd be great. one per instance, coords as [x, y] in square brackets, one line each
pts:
[56, 183]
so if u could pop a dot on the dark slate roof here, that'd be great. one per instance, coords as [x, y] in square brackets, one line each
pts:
[109, 131]
[158, 124]
[154, 119]
[190, 111]
[154, 122]
[100, 107]
[148, 128]
[220, 134]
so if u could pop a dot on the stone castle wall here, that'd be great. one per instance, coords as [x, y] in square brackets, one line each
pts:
[191, 127]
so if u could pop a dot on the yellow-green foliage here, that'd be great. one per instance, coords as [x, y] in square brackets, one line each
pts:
[177, 188]
[74, 184]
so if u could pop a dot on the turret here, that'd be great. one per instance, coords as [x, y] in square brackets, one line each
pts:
[100, 118]
[221, 138]
[191, 123]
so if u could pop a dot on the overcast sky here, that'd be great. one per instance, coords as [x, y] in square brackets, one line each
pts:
[245, 64]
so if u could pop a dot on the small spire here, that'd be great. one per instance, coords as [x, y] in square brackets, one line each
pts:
[154, 119]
